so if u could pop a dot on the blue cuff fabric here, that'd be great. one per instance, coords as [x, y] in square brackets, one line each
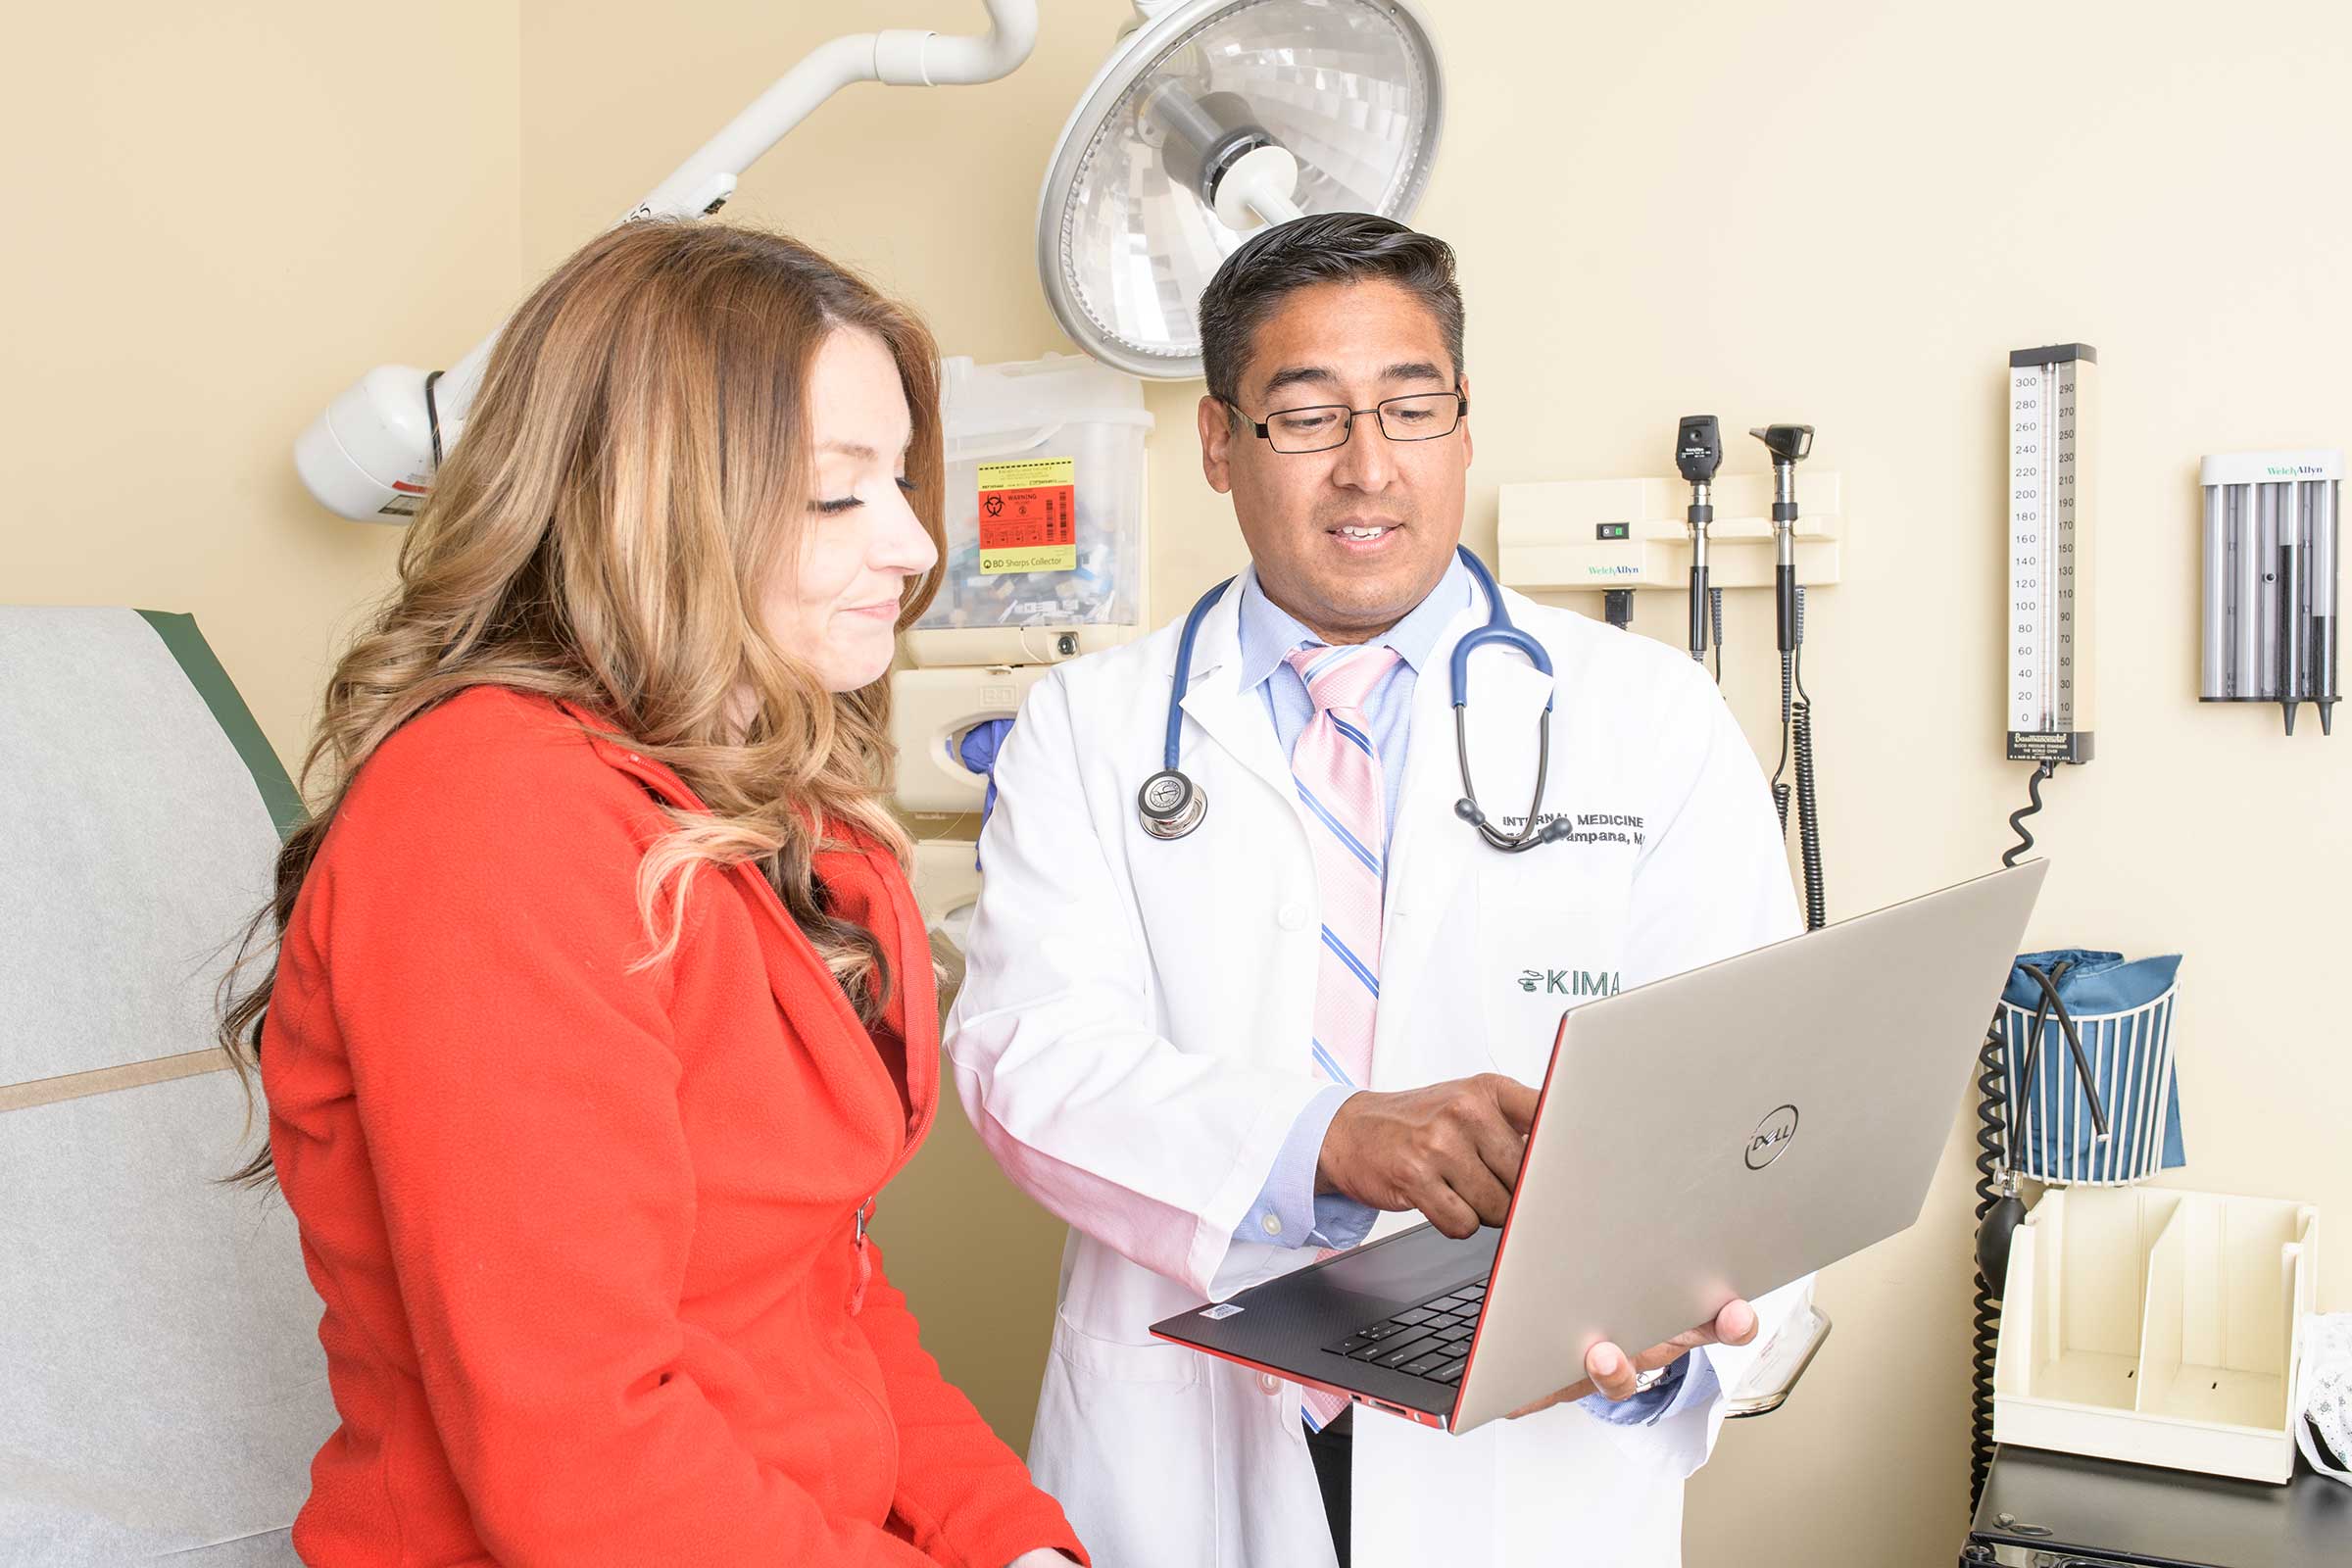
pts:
[977, 750]
[1678, 1391]
[1288, 1211]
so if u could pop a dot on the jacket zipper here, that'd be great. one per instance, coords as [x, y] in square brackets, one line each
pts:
[864, 1271]
[864, 1260]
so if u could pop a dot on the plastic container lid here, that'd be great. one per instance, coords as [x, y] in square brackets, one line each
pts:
[1020, 404]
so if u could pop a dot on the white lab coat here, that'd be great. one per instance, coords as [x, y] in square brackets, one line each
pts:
[1131, 1041]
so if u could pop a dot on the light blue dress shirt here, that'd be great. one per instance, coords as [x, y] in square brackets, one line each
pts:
[1287, 1211]
[1269, 635]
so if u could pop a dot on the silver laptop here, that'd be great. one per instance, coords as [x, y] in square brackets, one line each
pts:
[1745, 1125]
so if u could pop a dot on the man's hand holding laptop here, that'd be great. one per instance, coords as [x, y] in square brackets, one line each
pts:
[1608, 1372]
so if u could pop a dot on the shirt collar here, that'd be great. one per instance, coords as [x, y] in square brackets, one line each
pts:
[1269, 634]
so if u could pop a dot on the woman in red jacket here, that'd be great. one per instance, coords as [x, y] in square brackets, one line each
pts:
[601, 1008]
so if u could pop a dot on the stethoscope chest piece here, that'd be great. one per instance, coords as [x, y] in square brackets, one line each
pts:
[1171, 805]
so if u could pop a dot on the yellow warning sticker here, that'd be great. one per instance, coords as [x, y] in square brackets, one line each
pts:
[1028, 516]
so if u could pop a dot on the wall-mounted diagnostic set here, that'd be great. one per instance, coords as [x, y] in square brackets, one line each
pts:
[2271, 536]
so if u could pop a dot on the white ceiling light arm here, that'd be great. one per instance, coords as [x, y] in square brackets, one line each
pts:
[899, 58]
[372, 455]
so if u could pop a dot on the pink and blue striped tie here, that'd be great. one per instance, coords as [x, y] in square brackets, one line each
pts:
[1339, 779]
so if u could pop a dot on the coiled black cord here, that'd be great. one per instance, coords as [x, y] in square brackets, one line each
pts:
[2016, 819]
[1715, 614]
[1779, 789]
[1808, 807]
[1992, 1136]
[1984, 1338]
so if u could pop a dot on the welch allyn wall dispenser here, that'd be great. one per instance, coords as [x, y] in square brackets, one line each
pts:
[2271, 522]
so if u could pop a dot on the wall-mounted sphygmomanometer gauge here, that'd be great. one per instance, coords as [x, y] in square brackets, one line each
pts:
[2052, 404]
[2051, 427]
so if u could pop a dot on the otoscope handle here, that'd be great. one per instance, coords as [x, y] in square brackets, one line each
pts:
[1784, 552]
[1700, 515]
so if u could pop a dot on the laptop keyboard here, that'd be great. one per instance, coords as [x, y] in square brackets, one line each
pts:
[1431, 1341]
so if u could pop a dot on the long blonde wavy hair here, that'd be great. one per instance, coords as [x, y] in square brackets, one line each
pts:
[634, 473]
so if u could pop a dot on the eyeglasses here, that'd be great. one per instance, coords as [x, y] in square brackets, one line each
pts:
[1418, 416]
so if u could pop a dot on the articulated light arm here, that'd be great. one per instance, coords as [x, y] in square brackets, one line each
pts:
[370, 456]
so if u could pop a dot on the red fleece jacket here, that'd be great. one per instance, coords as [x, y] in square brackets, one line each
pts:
[588, 1235]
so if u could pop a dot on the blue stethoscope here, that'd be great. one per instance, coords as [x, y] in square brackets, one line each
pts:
[1172, 805]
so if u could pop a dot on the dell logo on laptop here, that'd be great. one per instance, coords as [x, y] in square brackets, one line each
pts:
[1773, 1134]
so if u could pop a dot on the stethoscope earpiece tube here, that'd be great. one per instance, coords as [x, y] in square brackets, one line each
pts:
[1170, 804]
[1498, 629]
[1531, 832]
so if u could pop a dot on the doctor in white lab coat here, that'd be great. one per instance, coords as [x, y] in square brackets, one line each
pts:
[1133, 1036]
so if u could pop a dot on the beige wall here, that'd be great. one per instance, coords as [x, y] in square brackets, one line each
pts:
[220, 216]
[1844, 214]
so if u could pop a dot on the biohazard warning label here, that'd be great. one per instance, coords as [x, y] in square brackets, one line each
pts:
[1028, 516]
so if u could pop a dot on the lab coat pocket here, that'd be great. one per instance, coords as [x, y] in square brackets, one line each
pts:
[1124, 1433]
[1539, 958]
[1091, 1357]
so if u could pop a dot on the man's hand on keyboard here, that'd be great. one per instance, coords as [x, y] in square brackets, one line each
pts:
[1451, 1151]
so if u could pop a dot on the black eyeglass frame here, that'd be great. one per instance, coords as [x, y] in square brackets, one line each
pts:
[1461, 411]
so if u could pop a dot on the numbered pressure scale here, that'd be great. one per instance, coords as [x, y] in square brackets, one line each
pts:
[2052, 402]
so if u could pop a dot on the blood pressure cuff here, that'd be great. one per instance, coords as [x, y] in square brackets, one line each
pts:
[163, 1386]
[2122, 1012]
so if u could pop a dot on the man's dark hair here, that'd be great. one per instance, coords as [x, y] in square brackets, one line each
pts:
[1323, 248]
